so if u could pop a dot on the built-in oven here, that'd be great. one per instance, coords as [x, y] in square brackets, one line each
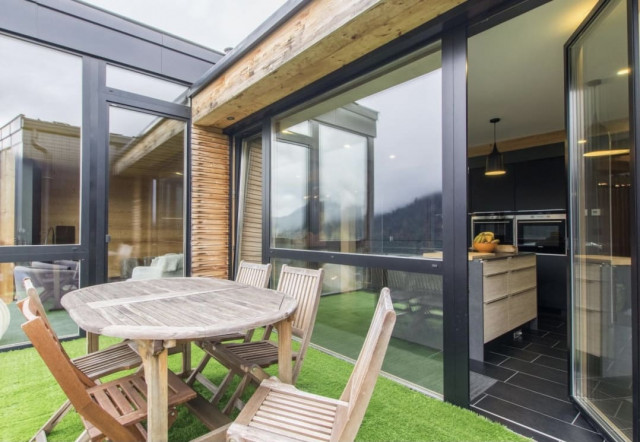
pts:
[502, 227]
[542, 233]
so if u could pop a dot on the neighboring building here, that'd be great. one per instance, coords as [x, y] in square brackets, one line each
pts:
[356, 137]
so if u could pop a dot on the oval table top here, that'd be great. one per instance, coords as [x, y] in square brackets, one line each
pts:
[175, 308]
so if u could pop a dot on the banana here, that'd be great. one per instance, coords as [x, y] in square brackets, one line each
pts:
[483, 237]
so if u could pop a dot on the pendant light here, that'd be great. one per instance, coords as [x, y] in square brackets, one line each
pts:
[495, 161]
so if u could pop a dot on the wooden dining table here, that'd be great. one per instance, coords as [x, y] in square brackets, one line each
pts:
[159, 313]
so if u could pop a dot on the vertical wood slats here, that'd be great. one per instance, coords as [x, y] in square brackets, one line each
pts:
[209, 202]
[251, 242]
[256, 275]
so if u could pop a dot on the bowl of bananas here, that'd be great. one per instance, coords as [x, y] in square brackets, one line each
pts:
[485, 242]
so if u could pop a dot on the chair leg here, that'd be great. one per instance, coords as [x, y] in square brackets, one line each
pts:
[242, 386]
[186, 360]
[84, 437]
[203, 363]
[55, 418]
[224, 385]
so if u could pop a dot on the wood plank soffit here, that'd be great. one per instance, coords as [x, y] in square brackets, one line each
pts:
[321, 38]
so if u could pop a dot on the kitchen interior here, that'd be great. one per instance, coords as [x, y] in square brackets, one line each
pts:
[518, 190]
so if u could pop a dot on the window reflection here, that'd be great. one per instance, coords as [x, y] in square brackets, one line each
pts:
[146, 195]
[40, 117]
[142, 84]
[349, 296]
[372, 167]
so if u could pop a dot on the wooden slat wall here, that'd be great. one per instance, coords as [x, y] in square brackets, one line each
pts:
[251, 245]
[209, 202]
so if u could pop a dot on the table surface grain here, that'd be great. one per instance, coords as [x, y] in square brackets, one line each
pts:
[175, 308]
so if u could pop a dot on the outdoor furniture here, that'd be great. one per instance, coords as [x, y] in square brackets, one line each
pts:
[53, 280]
[166, 266]
[278, 411]
[114, 409]
[102, 363]
[159, 313]
[243, 358]
[256, 275]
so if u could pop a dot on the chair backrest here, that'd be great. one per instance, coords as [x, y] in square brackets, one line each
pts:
[256, 275]
[36, 304]
[359, 389]
[305, 285]
[67, 375]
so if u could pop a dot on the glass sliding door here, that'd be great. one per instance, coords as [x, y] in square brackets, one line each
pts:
[146, 195]
[600, 185]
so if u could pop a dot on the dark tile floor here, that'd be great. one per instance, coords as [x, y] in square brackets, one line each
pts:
[531, 392]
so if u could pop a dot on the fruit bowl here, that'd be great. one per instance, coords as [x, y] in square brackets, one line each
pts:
[484, 247]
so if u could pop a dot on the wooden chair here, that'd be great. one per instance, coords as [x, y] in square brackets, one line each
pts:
[279, 411]
[256, 275]
[114, 409]
[95, 365]
[244, 358]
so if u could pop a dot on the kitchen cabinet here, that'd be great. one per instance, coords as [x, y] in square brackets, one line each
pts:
[492, 194]
[540, 184]
[502, 297]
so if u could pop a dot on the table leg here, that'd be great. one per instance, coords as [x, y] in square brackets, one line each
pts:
[154, 360]
[285, 367]
[93, 342]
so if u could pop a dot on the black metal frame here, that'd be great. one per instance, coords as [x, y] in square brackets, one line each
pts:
[19, 20]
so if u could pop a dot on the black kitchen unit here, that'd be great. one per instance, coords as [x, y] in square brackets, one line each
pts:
[533, 194]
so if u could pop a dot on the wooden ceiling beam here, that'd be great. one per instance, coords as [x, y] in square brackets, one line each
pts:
[321, 38]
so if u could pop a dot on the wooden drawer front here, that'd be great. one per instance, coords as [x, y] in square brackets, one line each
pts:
[495, 286]
[523, 279]
[495, 266]
[523, 307]
[521, 262]
[496, 318]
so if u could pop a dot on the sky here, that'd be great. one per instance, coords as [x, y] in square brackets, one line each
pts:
[216, 24]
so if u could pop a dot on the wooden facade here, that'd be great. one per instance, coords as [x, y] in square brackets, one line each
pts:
[210, 162]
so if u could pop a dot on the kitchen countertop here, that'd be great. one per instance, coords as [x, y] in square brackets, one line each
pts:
[479, 255]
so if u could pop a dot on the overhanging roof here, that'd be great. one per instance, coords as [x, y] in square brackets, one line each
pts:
[299, 46]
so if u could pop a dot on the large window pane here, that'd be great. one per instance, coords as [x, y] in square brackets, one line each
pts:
[601, 183]
[40, 119]
[290, 195]
[146, 195]
[142, 84]
[372, 167]
[349, 297]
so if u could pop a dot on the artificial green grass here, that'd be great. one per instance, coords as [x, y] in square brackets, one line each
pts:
[30, 395]
[342, 323]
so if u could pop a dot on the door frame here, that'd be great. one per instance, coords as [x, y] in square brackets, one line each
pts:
[634, 135]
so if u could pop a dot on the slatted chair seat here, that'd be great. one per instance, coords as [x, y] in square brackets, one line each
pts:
[241, 358]
[112, 410]
[113, 359]
[279, 411]
[125, 400]
[110, 360]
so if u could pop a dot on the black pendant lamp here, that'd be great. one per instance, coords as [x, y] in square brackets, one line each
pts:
[495, 161]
